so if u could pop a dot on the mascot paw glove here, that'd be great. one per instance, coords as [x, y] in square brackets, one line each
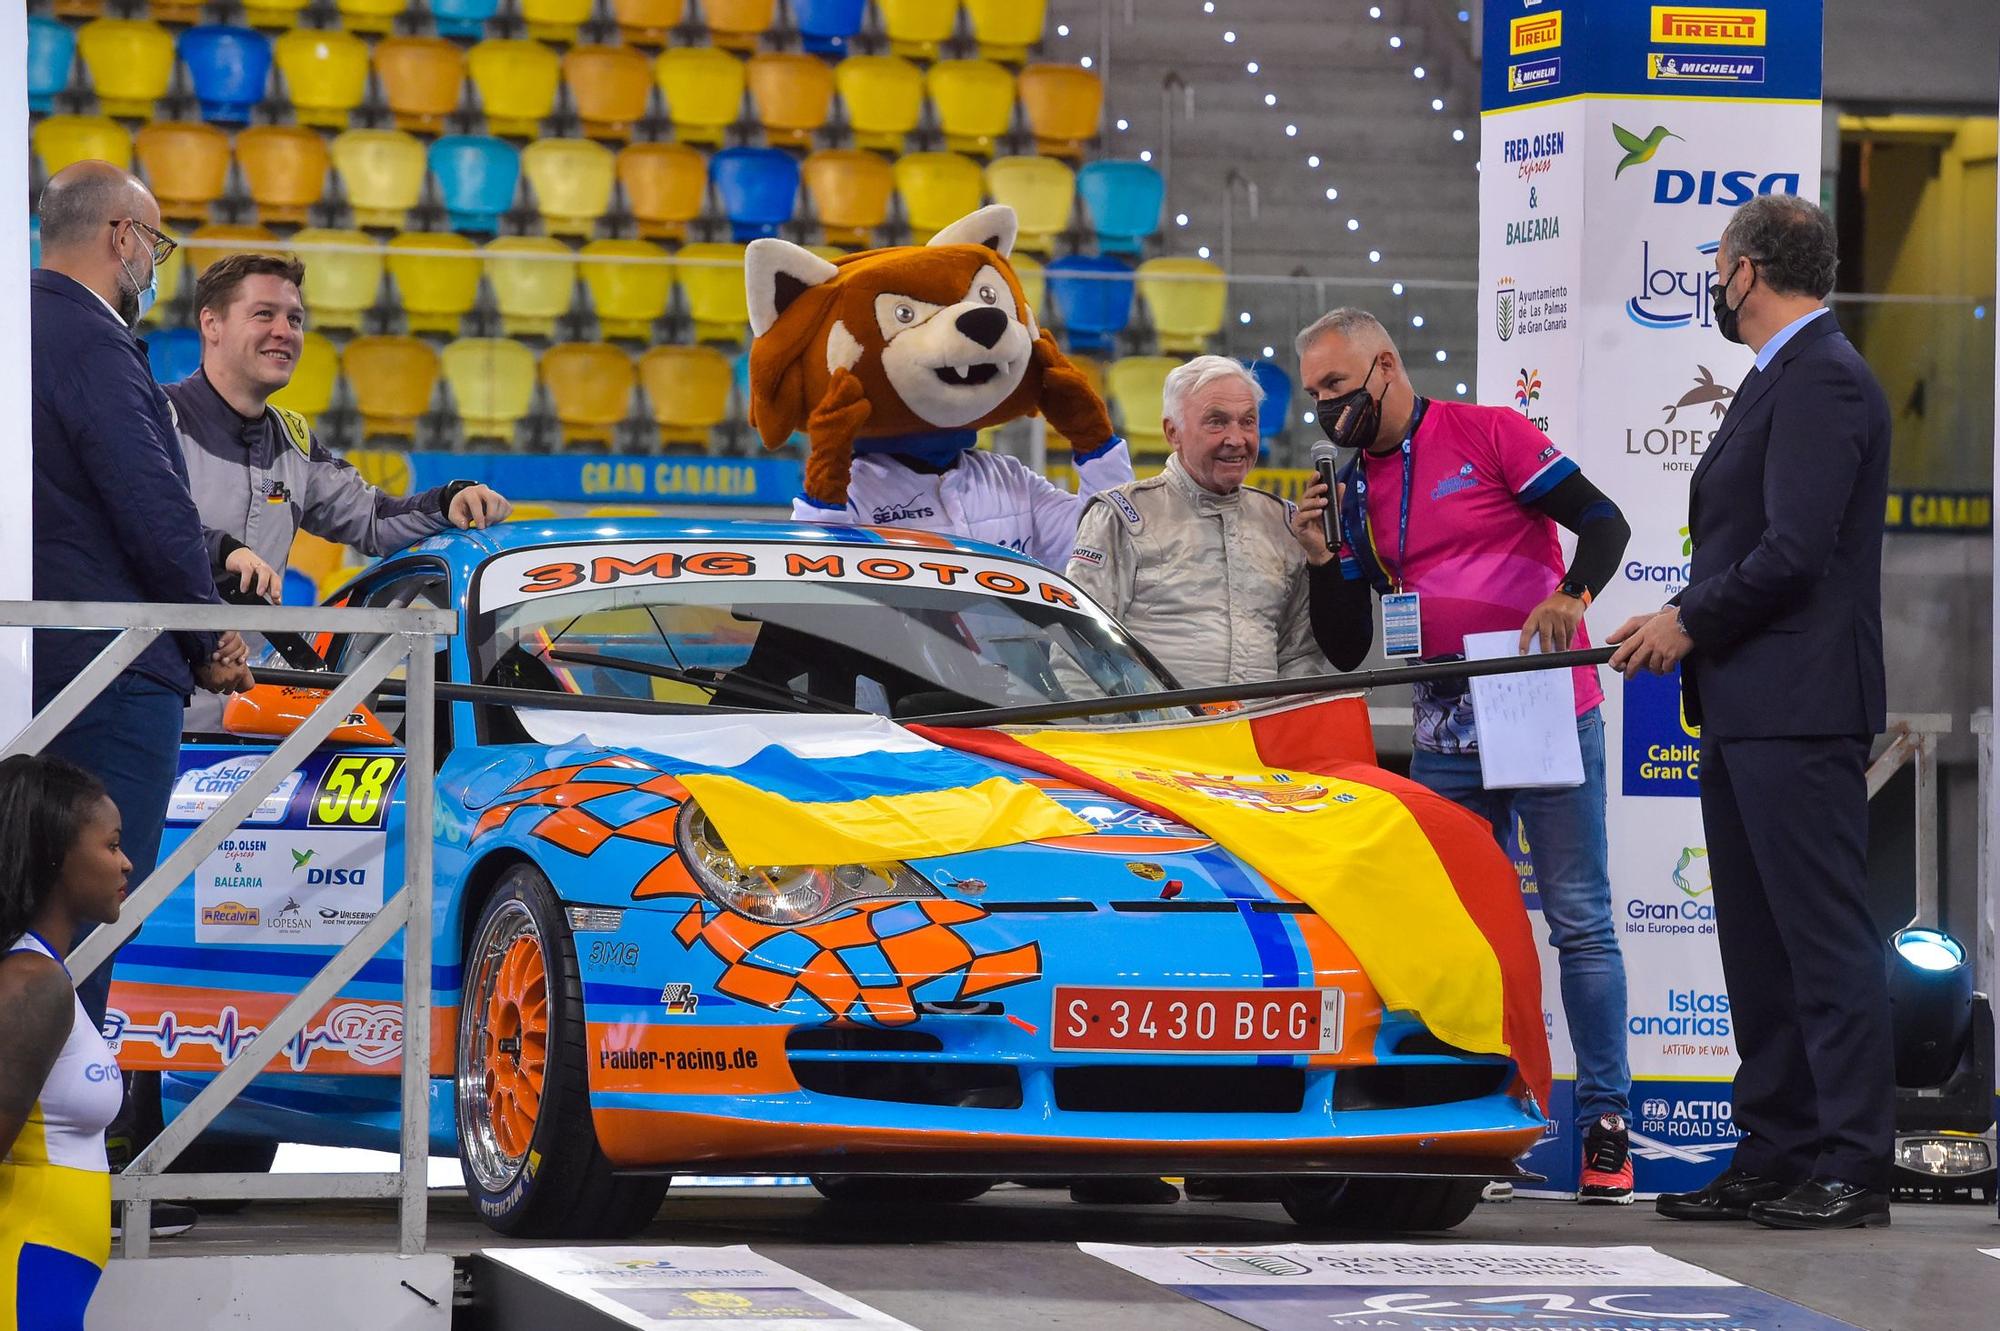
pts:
[1068, 401]
[831, 429]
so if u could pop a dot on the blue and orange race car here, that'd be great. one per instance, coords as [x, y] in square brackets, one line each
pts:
[617, 999]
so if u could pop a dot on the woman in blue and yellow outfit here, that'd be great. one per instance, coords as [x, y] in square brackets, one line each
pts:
[61, 871]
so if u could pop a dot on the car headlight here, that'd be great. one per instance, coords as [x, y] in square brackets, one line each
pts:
[1944, 1157]
[785, 894]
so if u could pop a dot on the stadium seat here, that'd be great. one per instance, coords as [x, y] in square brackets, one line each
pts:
[1186, 297]
[170, 283]
[274, 13]
[531, 293]
[555, 21]
[792, 94]
[1062, 103]
[937, 190]
[325, 72]
[1136, 383]
[1094, 304]
[463, 18]
[422, 80]
[517, 84]
[492, 382]
[1040, 190]
[285, 167]
[715, 296]
[230, 68]
[1123, 200]
[1006, 29]
[759, 189]
[130, 62]
[704, 90]
[884, 97]
[60, 140]
[917, 27]
[310, 392]
[737, 25]
[1276, 399]
[610, 86]
[392, 379]
[629, 297]
[219, 241]
[533, 513]
[666, 187]
[51, 61]
[975, 103]
[477, 176]
[591, 386]
[35, 243]
[376, 16]
[825, 25]
[688, 390]
[1034, 281]
[343, 286]
[572, 182]
[174, 354]
[437, 292]
[850, 192]
[648, 22]
[383, 173]
[186, 164]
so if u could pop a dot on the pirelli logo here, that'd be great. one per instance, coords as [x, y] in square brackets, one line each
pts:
[1708, 26]
[1540, 32]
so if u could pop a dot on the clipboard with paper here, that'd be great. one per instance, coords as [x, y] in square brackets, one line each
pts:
[1526, 722]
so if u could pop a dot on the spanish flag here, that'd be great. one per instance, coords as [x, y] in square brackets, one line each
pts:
[1416, 885]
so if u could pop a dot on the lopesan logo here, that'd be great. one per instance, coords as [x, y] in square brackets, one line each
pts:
[1708, 26]
[1706, 392]
[1534, 33]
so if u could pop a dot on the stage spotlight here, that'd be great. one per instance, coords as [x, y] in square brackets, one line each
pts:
[1930, 1001]
[1943, 1034]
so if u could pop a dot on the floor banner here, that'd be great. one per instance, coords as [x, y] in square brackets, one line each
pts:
[650, 1288]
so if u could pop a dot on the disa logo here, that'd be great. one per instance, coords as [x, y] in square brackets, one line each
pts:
[1672, 185]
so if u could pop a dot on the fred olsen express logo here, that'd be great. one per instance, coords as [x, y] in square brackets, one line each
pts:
[1534, 34]
[1702, 25]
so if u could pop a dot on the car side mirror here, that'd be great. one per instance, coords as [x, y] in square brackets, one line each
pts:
[272, 711]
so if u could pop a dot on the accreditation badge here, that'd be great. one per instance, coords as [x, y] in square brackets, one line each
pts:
[1402, 625]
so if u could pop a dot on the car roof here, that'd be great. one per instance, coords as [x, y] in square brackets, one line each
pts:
[468, 548]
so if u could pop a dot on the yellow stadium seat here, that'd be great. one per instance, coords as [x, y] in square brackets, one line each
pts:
[1186, 297]
[340, 287]
[285, 166]
[61, 140]
[688, 388]
[371, 15]
[975, 103]
[666, 185]
[610, 85]
[392, 379]
[492, 381]
[422, 80]
[531, 293]
[1040, 190]
[715, 296]
[1136, 383]
[648, 22]
[555, 21]
[170, 284]
[591, 386]
[310, 392]
[704, 90]
[326, 74]
[131, 64]
[274, 13]
[884, 97]
[572, 182]
[793, 95]
[1062, 103]
[187, 165]
[437, 292]
[937, 190]
[1034, 281]
[383, 171]
[736, 25]
[517, 84]
[629, 296]
[213, 242]
[917, 27]
[850, 193]
[532, 512]
[1007, 28]
[317, 558]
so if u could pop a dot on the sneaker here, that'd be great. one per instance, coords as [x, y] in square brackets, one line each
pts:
[1607, 1164]
[169, 1219]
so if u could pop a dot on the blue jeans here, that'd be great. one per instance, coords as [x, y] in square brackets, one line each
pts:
[129, 737]
[1566, 842]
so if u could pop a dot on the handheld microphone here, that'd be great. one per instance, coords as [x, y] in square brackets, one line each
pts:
[1324, 459]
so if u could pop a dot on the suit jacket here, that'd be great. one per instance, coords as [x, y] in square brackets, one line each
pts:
[1786, 509]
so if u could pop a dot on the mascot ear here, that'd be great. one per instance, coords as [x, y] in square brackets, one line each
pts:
[993, 226]
[776, 273]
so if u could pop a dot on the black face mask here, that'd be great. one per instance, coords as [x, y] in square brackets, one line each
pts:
[1727, 320]
[1352, 419]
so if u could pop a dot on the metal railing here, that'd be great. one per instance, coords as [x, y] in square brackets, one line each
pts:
[1913, 740]
[408, 636]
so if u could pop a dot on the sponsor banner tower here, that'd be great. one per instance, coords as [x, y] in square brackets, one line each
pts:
[1617, 137]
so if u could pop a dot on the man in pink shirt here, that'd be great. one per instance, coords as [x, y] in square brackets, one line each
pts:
[1450, 511]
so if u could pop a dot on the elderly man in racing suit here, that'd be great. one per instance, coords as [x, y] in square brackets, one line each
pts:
[1203, 569]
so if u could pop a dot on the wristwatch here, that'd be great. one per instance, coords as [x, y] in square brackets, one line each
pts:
[1682, 625]
[1578, 588]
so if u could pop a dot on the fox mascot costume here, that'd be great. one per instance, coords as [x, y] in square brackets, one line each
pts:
[892, 360]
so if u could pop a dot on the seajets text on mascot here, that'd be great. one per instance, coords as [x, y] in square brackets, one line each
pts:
[892, 360]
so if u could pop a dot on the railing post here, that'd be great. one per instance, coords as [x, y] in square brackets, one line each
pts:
[1927, 830]
[419, 810]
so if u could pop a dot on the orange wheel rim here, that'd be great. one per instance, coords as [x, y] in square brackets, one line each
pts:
[517, 1045]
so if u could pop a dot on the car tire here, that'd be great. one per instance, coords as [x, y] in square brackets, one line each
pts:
[144, 1119]
[532, 1164]
[899, 1190]
[1381, 1204]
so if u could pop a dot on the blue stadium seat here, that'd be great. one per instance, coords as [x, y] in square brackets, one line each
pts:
[476, 177]
[175, 353]
[230, 67]
[825, 25]
[299, 589]
[758, 187]
[463, 18]
[1124, 201]
[51, 56]
[35, 244]
[1276, 399]
[1094, 309]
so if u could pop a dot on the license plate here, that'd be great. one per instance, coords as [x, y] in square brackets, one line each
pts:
[1197, 1021]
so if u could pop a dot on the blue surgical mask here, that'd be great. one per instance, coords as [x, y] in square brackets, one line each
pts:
[145, 295]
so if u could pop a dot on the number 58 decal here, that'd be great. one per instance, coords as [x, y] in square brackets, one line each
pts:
[354, 791]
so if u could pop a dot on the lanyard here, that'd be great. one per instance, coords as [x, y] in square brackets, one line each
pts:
[1409, 482]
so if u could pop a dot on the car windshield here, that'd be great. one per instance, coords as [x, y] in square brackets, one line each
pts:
[891, 630]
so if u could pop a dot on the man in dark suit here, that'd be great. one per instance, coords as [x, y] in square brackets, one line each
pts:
[1779, 639]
